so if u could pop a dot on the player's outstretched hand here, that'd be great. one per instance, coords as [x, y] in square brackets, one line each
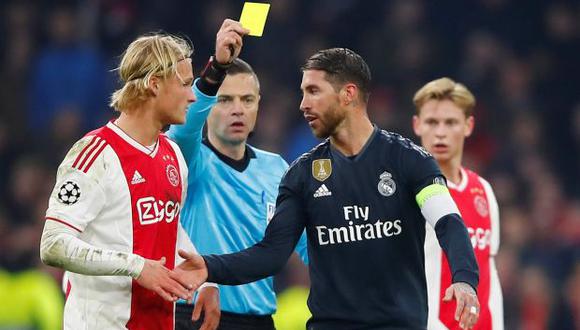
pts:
[192, 272]
[467, 312]
[156, 277]
[208, 302]
[228, 42]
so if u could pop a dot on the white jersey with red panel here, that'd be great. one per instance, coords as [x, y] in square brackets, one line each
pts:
[479, 210]
[125, 197]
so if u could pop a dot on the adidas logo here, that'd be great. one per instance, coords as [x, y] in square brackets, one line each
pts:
[322, 191]
[137, 178]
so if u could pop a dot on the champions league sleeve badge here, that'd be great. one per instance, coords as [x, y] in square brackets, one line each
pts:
[386, 186]
[69, 193]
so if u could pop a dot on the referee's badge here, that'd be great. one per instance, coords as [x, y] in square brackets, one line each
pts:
[270, 210]
[321, 169]
[386, 186]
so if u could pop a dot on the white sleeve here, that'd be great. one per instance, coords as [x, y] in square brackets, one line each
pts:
[76, 200]
[61, 247]
[495, 302]
[78, 195]
[494, 217]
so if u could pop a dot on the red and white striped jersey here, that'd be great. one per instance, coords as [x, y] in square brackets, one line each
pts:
[120, 196]
[479, 210]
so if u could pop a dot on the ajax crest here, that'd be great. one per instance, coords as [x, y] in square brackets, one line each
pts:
[172, 175]
[321, 169]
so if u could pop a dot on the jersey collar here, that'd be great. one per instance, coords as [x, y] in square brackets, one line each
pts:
[462, 184]
[117, 130]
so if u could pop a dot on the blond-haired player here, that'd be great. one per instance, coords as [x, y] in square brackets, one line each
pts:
[444, 119]
[113, 216]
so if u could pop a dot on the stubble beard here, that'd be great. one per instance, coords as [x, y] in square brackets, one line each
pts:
[328, 123]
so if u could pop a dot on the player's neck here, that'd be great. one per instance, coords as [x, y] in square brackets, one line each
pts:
[140, 126]
[352, 135]
[233, 151]
[452, 170]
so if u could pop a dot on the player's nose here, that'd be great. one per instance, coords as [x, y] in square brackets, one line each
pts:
[191, 96]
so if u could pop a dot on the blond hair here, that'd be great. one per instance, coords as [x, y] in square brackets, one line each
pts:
[445, 89]
[148, 56]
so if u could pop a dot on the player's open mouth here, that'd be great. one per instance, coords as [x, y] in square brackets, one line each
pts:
[440, 147]
[237, 124]
[310, 118]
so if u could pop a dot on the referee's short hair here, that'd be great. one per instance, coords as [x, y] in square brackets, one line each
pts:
[240, 66]
[342, 66]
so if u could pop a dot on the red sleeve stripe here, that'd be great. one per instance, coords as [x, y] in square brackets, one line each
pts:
[84, 151]
[64, 223]
[91, 159]
[89, 152]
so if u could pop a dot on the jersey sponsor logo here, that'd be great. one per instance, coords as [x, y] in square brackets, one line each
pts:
[322, 191]
[172, 175]
[386, 186]
[151, 210]
[354, 232]
[321, 169]
[270, 210]
[69, 193]
[480, 238]
[137, 178]
[481, 206]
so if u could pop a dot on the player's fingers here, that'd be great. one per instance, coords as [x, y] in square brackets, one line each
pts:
[448, 294]
[176, 289]
[164, 294]
[179, 276]
[185, 255]
[197, 310]
[162, 261]
[460, 305]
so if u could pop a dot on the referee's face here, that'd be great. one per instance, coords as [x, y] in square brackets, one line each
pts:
[234, 116]
[320, 104]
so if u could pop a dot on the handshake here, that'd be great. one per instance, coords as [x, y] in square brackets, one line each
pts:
[180, 282]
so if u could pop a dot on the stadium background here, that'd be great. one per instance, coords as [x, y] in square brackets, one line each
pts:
[520, 58]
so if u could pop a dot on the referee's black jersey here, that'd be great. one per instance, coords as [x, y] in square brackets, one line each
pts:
[365, 235]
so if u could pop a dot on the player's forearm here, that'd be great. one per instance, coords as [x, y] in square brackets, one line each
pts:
[60, 247]
[454, 240]
[267, 257]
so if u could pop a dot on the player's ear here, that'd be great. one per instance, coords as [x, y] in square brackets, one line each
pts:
[348, 93]
[469, 124]
[153, 85]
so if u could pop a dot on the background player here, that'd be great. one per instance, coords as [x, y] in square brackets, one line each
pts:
[443, 120]
[363, 196]
[232, 191]
[113, 215]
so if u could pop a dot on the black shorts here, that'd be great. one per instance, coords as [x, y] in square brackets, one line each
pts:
[228, 321]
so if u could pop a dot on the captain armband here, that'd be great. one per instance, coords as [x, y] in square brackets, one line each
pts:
[435, 202]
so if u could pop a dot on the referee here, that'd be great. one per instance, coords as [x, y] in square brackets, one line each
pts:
[364, 196]
[232, 193]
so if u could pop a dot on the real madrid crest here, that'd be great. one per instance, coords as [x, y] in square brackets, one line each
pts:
[386, 185]
[321, 169]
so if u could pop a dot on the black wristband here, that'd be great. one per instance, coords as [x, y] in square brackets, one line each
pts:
[212, 76]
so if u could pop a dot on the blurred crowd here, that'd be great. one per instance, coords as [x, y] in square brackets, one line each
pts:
[520, 59]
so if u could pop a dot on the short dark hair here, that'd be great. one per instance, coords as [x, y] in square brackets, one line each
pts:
[239, 66]
[342, 66]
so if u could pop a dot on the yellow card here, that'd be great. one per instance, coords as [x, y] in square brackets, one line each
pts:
[254, 17]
